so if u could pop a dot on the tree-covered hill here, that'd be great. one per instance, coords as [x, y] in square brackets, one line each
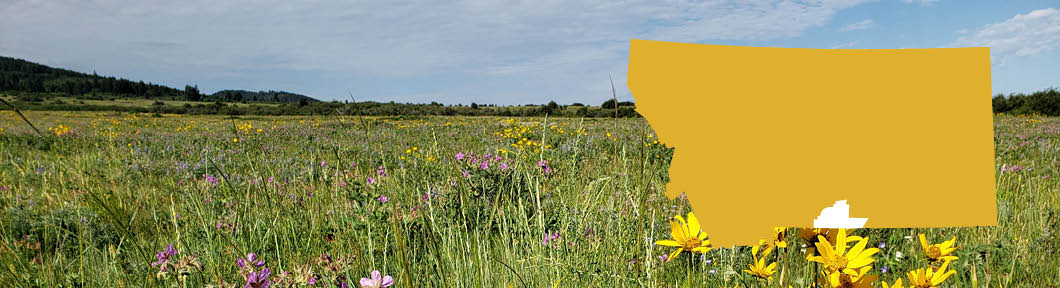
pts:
[23, 77]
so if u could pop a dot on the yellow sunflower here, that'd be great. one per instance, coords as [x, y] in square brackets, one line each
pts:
[810, 237]
[759, 268]
[780, 237]
[687, 236]
[897, 284]
[942, 251]
[841, 260]
[838, 279]
[928, 277]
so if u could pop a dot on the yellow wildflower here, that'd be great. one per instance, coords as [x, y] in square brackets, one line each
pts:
[941, 251]
[687, 236]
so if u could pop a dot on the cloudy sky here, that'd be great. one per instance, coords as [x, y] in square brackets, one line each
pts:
[501, 52]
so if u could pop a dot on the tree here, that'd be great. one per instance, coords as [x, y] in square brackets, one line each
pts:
[609, 104]
[474, 105]
[191, 93]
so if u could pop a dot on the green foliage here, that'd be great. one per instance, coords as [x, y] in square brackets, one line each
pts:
[1045, 102]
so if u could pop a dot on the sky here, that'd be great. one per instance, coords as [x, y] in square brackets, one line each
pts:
[493, 52]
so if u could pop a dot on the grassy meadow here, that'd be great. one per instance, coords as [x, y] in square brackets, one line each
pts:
[322, 201]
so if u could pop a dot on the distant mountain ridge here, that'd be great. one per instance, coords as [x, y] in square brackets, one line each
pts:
[18, 75]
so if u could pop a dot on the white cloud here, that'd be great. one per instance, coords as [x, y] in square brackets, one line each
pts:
[568, 46]
[1023, 35]
[860, 25]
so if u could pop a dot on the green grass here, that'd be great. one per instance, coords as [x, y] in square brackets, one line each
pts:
[103, 200]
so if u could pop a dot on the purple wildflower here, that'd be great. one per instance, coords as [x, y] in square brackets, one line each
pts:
[381, 171]
[542, 163]
[484, 165]
[1011, 168]
[466, 174]
[371, 180]
[210, 179]
[163, 257]
[504, 166]
[549, 238]
[882, 245]
[382, 199]
[664, 257]
[377, 280]
[259, 279]
[460, 156]
[270, 179]
[3, 188]
[251, 259]
[323, 163]
[883, 269]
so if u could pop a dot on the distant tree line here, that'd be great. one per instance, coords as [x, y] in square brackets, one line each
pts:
[29, 101]
[1045, 102]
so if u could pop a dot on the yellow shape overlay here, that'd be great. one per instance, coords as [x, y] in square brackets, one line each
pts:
[768, 137]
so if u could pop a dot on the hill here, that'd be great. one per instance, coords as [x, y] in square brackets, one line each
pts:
[18, 76]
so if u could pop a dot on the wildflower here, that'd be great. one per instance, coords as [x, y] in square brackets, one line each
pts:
[377, 280]
[163, 257]
[897, 284]
[382, 199]
[942, 251]
[381, 171]
[323, 163]
[1011, 168]
[549, 238]
[259, 279]
[466, 174]
[664, 257]
[504, 166]
[484, 165]
[252, 259]
[759, 268]
[883, 269]
[780, 237]
[371, 180]
[841, 261]
[687, 236]
[882, 245]
[460, 156]
[927, 277]
[857, 280]
[810, 237]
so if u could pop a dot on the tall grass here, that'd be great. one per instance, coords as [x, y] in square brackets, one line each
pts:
[103, 199]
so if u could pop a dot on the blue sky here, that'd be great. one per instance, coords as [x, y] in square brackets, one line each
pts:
[513, 52]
